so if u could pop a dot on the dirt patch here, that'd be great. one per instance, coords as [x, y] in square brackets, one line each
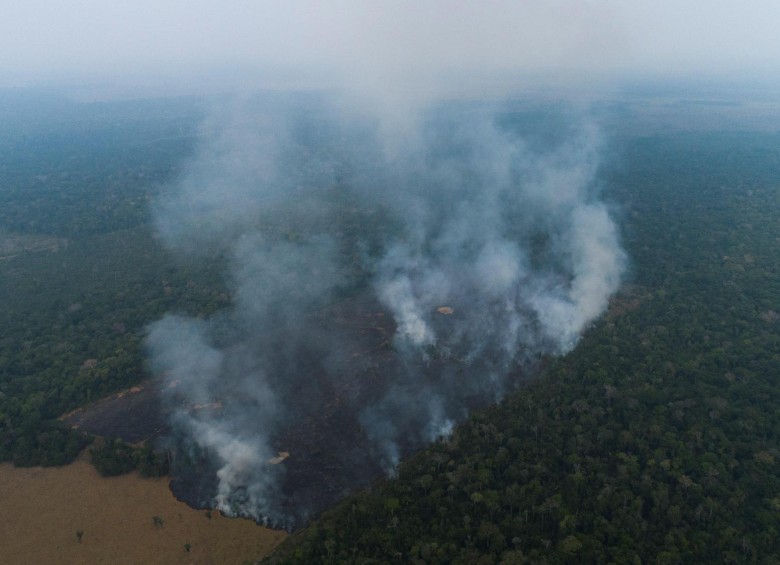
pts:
[13, 245]
[281, 456]
[44, 508]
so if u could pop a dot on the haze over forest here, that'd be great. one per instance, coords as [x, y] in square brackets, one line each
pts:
[391, 50]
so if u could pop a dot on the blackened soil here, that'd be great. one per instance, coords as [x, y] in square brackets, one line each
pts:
[330, 453]
[134, 415]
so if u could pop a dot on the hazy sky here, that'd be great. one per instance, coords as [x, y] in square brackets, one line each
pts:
[371, 40]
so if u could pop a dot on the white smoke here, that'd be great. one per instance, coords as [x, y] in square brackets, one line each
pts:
[487, 249]
[398, 295]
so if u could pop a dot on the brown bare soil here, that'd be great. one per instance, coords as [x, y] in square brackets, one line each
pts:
[44, 508]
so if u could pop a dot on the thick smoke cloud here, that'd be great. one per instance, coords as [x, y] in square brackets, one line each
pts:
[389, 285]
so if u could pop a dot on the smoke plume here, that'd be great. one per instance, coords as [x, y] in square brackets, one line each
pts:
[381, 287]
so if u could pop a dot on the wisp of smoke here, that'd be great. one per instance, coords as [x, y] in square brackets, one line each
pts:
[484, 249]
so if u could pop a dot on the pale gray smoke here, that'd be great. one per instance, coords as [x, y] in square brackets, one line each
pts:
[487, 249]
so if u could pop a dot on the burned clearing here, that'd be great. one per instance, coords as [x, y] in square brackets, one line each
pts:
[322, 453]
[134, 415]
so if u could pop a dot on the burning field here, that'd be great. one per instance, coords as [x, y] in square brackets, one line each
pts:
[383, 284]
[326, 453]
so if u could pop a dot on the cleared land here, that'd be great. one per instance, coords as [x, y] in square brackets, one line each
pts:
[13, 245]
[44, 508]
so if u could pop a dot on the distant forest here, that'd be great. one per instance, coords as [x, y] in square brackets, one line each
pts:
[655, 440]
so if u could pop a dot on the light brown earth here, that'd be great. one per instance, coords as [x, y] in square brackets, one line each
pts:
[41, 509]
[13, 245]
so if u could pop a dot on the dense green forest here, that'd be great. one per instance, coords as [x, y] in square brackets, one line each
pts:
[655, 440]
[73, 169]
[80, 272]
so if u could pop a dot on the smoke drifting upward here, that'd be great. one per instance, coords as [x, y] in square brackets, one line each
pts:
[378, 294]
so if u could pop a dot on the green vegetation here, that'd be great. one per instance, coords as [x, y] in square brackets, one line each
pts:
[656, 440]
[73, 307]
[115, 457]
[73, 329]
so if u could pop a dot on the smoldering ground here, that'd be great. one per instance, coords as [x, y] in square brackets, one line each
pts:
[381, 287]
